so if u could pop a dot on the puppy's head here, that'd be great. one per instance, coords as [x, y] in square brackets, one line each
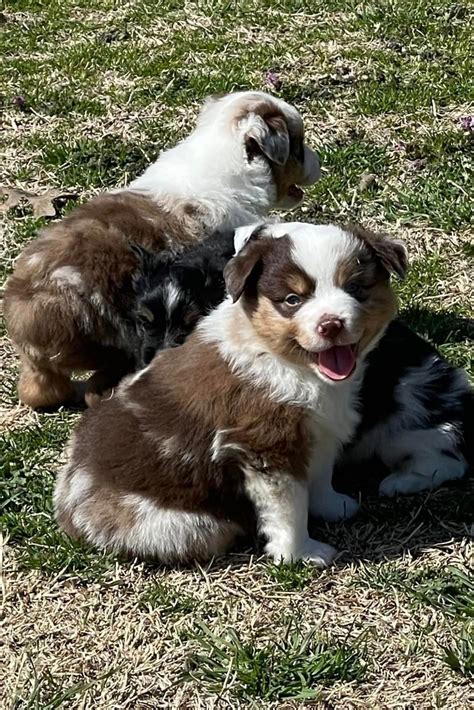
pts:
[320, 296]
[171, 295]
[268, 137]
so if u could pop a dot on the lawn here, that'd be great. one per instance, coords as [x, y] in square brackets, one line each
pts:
[91, 92]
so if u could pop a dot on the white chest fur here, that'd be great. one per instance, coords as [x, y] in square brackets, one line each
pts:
[331, 404]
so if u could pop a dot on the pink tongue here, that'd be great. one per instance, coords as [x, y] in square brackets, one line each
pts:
[338, 362]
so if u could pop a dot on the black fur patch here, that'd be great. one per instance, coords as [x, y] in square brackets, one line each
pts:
[399, 350]
[171, 293]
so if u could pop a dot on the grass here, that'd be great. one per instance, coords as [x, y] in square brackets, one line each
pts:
[459, 655]
[292, 575]
[46, 692]
[449, 589]
[91, 92]
[157, 595]
[294, 667]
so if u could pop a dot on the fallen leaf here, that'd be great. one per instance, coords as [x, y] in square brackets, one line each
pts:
[273, 80]
[41, 205]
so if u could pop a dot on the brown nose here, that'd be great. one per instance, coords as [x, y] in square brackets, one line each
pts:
[329, 327]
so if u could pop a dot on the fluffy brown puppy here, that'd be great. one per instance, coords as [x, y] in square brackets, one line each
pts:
[247, 417]
[66, 303]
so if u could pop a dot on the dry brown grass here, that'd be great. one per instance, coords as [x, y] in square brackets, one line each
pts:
[86, 637]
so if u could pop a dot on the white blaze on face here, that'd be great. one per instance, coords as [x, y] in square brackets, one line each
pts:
[318, 251]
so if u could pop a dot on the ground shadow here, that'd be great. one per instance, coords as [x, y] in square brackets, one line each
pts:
[388, 528]
[440, 327]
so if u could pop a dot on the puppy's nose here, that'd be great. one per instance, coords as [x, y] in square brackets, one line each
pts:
[329, 327]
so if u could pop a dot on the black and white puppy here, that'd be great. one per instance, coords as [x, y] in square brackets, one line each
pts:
[171, 293]
[417, 415]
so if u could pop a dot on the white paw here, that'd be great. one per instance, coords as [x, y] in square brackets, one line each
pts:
[332, 506]
[404, 483]
[412, 482]
[318, 553]
[313, 551]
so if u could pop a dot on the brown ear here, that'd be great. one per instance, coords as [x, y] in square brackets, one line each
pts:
[241, 267]
[390, 253]
[270, 133]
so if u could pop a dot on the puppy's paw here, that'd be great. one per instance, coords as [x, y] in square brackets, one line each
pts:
[405, 483]
[424, 479]
[318, 553]
[332, 506]
[313, 551]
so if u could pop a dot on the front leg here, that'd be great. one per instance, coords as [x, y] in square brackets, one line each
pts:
[281, 503]
[324, 501]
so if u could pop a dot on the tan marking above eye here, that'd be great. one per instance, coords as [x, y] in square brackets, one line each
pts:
[300, 284]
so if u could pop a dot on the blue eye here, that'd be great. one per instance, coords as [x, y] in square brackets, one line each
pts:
[292, 300]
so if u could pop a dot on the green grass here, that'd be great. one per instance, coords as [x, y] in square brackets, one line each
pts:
[294, 666]
[29, 459]
[47, 692]
[459, 654]
[91, 92]
[159, 596]
[449, 589]
[292, 575]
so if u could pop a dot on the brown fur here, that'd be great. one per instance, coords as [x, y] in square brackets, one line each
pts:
[186, 433]
[58, 329]
[265, 272]
[292, 173]
[184, 397]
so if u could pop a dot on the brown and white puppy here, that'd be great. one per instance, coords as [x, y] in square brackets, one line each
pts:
[66, 303]
[244, 419]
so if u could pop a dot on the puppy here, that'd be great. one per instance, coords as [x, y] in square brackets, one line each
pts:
[67, 300]
[417, 410]
[246, 418]
[417, 415]
[173, 293]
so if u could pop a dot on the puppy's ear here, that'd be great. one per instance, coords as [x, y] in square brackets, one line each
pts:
[243, 234]
[393, 256]
[244, 265]
[267, 134]
[390, 253]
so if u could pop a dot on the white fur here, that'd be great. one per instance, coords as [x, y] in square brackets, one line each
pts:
[317, 250]
[220, 447]
[170, 534]
[67, 276]
[35, 260]
[156, 533]
[334, 416]
[172, 296]
[211, 167]
[71, 491]
[131, 379]
[281, 503]
[169, 446]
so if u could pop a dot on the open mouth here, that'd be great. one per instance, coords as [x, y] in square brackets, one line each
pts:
[337, 363]
[295, 192]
